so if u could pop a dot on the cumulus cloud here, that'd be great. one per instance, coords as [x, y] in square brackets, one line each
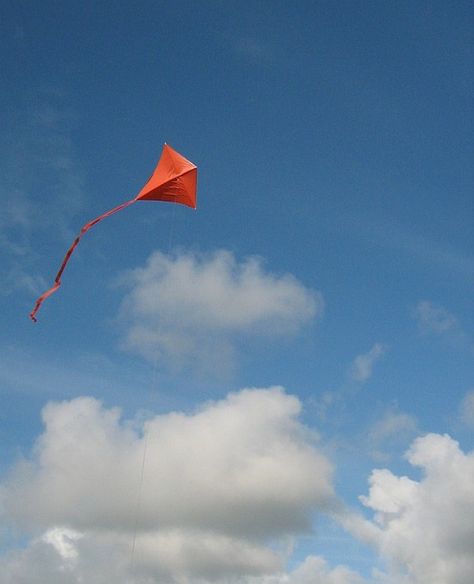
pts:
[424, 528]
[362, 366]
[101, 560]
[221, 487]
[193, 308]
[224, 489]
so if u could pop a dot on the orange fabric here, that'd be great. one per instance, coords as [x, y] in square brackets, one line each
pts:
[174, 180]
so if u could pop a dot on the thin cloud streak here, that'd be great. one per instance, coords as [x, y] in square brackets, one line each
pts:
[36, 156]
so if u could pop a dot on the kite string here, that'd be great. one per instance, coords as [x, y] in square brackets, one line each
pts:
[138, 502]
[146, 434]
[75, 243]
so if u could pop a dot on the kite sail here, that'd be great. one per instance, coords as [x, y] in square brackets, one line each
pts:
[174, 180]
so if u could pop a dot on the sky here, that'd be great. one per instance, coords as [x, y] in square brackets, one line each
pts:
[276, 388]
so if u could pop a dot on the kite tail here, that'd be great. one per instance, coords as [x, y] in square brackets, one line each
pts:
[57, 280]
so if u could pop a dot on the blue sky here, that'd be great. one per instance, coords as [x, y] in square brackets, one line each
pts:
[330, 255]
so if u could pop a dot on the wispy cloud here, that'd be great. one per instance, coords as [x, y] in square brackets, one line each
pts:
[437, 320]
[421, 247]
[363, 365]
[393, 430]
[41, 184]
[433, 318]
[467, 409]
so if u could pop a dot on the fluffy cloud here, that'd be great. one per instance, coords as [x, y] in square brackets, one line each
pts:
[363, 365]
[224, 491]
[101, 560]
[193, 307]
[221, 487]
[424, 528]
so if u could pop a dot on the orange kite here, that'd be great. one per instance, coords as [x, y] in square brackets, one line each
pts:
[174, 180]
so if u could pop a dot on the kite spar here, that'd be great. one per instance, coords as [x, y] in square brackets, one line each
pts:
[174, 180]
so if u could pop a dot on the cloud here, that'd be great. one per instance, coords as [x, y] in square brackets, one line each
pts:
[437, 320]
[63, 541]
[393, 429]
[221, 487]
[101, 559]
[424, 528]
[313, 570]
[224, 489]
[363, 365]
[467, 409]
[433, 318]
[191, 308]
[413, 244]
[41, 185]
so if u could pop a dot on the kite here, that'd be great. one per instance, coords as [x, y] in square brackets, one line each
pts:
[174, 180]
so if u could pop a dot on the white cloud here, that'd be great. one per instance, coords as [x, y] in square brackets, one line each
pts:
[424, 528]
[362, 366]
[224, 489]
[192, 308]
[221, 487]
[102, 559]
[63, 541]
[313, 570]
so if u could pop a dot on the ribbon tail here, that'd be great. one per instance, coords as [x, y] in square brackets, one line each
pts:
[75, 243]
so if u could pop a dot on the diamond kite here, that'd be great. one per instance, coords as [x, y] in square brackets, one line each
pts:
[174, 180]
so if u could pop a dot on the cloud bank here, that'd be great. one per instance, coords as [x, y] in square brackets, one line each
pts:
[222, 490]
[226, 490]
